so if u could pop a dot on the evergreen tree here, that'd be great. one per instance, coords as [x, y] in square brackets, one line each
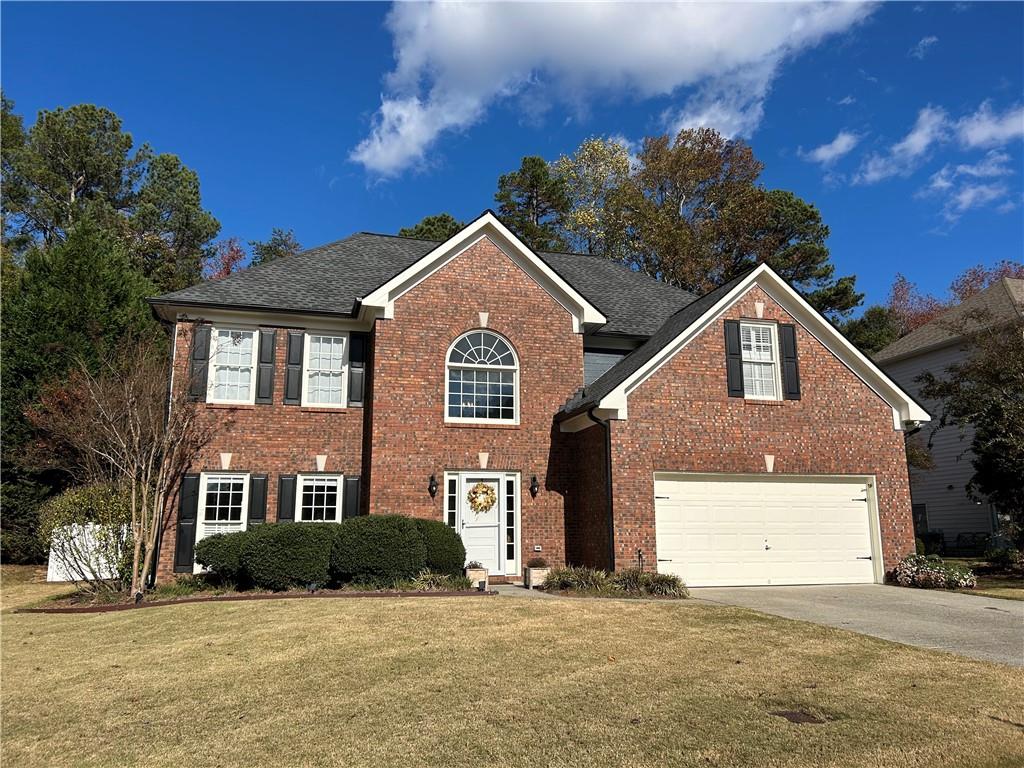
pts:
[280, 244]
[531, 201]
[439, 227]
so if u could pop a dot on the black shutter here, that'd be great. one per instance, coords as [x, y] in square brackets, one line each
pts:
[265, 370]
[357, 367]
[790, 366]
[733, 358]
[286, 499]
[188, 512]
[258, 499]
[293, 371]
[350, 501]
[199, 360]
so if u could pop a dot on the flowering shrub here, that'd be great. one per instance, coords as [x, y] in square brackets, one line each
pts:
[930, 572]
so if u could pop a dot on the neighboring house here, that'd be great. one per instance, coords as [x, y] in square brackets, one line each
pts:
[939, 495]
[735, 438]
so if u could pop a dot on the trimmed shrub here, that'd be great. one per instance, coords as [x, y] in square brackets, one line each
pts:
[930, 572]
[536, 562]
[378, 549]
[286, 555]
[444, 551]
[221, 554]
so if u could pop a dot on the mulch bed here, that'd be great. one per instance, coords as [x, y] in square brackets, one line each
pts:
[243, 597]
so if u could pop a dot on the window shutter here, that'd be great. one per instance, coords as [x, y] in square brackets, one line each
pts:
[790, 366]
[350, 500]
[357, 367]
[188, 512]
[733, 358]
[265, 369]
[258, 500]
[199, 361]
[293, 371]
[286, 499]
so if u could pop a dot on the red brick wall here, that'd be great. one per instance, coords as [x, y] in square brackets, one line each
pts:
[587, 525]
[681, 419]
[410, 440]
[271, 439]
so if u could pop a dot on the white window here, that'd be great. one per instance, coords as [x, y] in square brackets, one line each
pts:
[325, 370]
[223, 504]
[482, 383]
[318, 499]
[760, 355]
[232, 366]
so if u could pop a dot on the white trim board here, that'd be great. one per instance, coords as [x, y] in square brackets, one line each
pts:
[904, 408]
[487, 226]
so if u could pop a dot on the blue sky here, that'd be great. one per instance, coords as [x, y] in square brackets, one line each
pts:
[902, 122]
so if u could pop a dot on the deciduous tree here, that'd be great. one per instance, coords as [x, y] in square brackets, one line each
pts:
[593, 175]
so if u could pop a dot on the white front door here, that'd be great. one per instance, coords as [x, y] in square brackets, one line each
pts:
[721, 530]
[491, 534]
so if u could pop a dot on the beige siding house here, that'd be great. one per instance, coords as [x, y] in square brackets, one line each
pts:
[939, 495]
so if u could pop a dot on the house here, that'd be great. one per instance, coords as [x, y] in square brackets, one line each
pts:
[542, 404]
[939, 495]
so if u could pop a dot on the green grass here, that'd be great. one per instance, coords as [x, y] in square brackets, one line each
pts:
[487, 681]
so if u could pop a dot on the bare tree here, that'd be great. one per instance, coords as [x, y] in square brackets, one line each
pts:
[119, 425]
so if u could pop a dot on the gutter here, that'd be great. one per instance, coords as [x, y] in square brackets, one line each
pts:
[608, 483]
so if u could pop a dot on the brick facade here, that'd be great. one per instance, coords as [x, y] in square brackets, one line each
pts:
[410, 439]
[839, 426]
[680, 420]
[271, 439]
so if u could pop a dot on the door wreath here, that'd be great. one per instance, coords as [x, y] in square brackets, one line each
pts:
[481, 498]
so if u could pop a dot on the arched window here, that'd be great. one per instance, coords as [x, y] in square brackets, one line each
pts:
[482, 379]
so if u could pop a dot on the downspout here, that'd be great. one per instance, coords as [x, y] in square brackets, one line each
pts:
[608, 483]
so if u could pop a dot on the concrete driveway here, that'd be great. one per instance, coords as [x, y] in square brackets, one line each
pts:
[979, 627]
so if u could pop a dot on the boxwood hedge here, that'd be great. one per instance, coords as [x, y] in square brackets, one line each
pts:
[445, 552]
[288, 555]
[378, 549]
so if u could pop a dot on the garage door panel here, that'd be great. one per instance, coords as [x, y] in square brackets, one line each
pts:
[735, 531]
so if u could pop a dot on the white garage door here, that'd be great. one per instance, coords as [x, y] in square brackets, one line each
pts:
[726, 530]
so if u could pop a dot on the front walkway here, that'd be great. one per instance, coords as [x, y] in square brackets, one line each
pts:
[979, 627]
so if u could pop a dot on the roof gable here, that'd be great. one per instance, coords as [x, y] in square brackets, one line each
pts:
[609, 395]
[1003, 302]
[488, 226]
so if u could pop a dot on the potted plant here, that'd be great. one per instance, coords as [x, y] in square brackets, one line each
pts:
[536, 571]
[477, 574]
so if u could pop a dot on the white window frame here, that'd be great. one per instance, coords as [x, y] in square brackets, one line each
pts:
[300, 479]
[448, 366]
[776, 362]
[204, 478]
[307, 335]
[212, 366]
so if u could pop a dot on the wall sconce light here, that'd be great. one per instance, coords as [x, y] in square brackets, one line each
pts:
[534, 487]
[432, 486]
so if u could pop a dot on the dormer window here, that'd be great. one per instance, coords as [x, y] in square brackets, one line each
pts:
[483, 381]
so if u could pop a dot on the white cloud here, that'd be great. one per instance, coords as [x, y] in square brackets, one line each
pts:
[920, 50]
[826, 154]
[846, 101]
[903, 157]
[987, 129]
[965, 187]
[454, 61]
[973, 196]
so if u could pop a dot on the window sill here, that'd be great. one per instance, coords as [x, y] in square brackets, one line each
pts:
[757, 401]
[232, 406]
[478, 425]
[323, 409]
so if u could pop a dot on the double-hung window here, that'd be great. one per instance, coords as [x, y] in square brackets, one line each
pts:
[223, 504]
[482, 383]
[760, 354]
[325, 370]
[318, 499]
[233, 366]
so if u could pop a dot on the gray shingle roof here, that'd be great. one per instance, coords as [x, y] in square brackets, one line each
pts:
[330, 279]
[590, 396]
[1001, 302]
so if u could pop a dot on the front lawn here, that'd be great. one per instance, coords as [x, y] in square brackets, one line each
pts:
[1006, 585]
[487, 681]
